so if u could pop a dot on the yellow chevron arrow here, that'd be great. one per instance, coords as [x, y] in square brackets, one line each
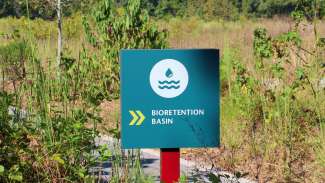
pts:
[135, 118]
[142, 118]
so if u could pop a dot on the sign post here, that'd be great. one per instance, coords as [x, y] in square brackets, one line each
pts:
[170, 100]
[169, 165]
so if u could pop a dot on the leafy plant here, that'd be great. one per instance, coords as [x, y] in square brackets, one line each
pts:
[262, 44]
[109, 31]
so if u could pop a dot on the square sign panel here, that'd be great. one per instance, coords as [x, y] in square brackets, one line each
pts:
[170, 98]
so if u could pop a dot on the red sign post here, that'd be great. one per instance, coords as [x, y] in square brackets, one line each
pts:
[169, 165]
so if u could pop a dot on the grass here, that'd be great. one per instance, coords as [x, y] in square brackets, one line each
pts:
[275, 136]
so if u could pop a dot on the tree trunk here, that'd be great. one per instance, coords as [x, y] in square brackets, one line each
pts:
[59, 53]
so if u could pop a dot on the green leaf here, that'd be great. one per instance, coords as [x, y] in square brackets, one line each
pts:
[77, 125]
[115, 132]
[17, 176]
[2, 169]
[81, 174]
[300, 74]
[213, 178]
[239, 175]
[57, 158]
[321, 42]
[104, 152]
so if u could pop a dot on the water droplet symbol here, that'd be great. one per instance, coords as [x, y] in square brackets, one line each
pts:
[169, 73]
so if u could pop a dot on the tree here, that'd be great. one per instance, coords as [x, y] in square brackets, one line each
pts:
[195, 8]
[59, 51]
[108, 31]
[6, 8]
[170, 8]
[45, 9]
[276, 7]
[207, 9]
[226, 9]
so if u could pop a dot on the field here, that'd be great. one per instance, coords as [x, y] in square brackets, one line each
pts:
[272, 106]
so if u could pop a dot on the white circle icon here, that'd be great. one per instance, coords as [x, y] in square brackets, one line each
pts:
[168, 78]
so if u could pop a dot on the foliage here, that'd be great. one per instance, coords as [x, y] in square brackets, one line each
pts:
[206, 9]
[29, 157]
[40, 29]
[38, 142]
[45, 9]
[209, 9]
[108, 32]
[262, 44]
[169, 8]
[272, 99]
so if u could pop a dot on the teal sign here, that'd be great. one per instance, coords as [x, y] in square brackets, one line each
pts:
[170, 98]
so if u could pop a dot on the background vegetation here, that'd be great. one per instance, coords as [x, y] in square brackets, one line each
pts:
[272, 75]
[206, 9]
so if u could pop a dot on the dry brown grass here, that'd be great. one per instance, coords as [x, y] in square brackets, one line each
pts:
[111, 115]
[194, 33]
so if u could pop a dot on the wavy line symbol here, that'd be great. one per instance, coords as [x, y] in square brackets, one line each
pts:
[169, 82]
[137, 117]
[169, 87]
